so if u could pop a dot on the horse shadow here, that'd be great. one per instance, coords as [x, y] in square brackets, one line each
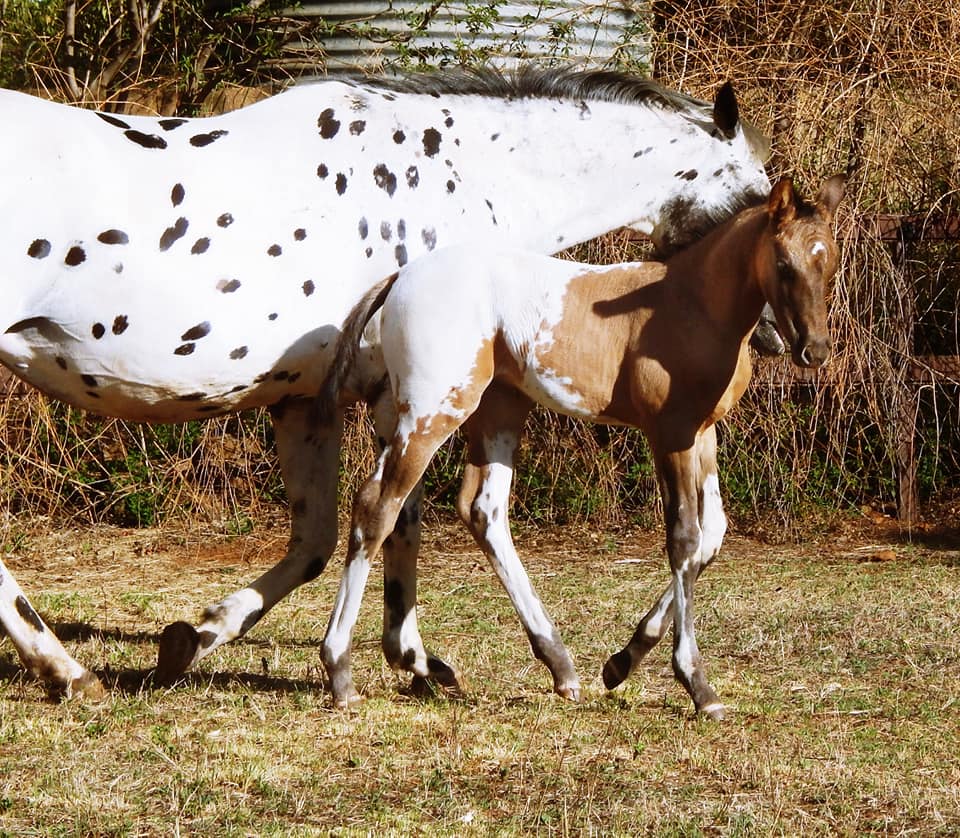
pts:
[132, 681]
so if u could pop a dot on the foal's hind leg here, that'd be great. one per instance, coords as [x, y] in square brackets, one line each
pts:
[376, 509]
[401, 641]
[309, 458]
[494, 433]
[713, 526]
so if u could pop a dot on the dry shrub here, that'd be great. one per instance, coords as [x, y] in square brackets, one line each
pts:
[866, 89]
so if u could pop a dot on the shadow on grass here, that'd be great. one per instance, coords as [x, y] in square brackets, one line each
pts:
[136, 681]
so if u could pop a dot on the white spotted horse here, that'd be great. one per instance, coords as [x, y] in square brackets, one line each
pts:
[474, 337]
[168, 269]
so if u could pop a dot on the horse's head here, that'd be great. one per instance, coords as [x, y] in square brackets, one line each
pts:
[801, 258]
[721, 176]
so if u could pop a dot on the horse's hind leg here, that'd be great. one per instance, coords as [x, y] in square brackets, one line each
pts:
[713, 525]
[309, 459]
[494, 433]
[40, 651]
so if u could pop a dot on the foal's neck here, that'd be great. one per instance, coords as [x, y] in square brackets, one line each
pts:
[721, 269]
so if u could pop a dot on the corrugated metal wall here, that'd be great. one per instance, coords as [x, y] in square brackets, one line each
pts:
[373, 36]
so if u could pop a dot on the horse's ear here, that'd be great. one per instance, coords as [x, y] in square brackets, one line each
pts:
[726, 113]
[782, 203]
[830, 195]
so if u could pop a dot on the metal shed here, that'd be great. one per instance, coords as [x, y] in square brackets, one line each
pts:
[376, 36]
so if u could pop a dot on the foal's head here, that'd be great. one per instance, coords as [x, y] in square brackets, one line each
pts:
[794, 270]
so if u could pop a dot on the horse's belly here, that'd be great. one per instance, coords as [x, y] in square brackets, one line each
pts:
[135, 382]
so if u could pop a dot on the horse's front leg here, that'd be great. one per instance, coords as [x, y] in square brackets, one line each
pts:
[494, 434]
[681, 501]
[40, 651]
[713, 525]
[309, 458]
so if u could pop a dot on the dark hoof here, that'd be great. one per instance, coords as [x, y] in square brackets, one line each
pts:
[340, 683]
[179, 644]
[715, 711]
[443, 680]
[616, 669]
[87, 688]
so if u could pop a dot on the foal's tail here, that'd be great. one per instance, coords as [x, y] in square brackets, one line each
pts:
[347, 345]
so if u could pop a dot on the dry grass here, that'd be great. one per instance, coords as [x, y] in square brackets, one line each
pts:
[840, 669]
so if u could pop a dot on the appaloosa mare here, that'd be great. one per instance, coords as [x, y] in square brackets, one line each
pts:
[474, 337]
[172, 269]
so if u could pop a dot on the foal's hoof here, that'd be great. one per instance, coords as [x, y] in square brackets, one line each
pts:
[715, 711]
[443, 680]
[616, 669]
[570, 693]
[348, 699]
[179, 643]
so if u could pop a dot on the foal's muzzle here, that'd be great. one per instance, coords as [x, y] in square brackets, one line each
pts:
[811, 352]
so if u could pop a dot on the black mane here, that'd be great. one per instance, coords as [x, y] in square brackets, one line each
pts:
[531, 81]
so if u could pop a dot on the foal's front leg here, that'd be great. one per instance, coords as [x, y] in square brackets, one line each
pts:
[713, 526]
[376, 510]
[678, 474]
[401, 641]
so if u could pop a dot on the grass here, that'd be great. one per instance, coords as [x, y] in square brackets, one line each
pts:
[841, 673]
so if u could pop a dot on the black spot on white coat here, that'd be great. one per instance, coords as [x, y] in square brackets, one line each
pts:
[201, 330]
[113, 120]
[113, 237]
[39, 249]
[328, 124]
[174, 233]
[385, 179]
[76, 255]
[431, 142]
[145, 140]
[201, 140]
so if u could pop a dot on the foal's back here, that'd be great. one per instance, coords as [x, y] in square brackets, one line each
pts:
[620, 344]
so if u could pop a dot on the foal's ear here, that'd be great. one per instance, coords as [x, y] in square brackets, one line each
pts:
[726, 113]
[830, 194]
[782, 203]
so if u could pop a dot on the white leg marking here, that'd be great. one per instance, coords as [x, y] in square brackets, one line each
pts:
[492, 503]
[38, 647]
[347, 607]
[713, 520]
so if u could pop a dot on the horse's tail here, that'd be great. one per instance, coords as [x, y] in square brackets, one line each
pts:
[347, 345]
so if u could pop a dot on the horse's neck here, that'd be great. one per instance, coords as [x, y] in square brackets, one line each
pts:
[562, 172]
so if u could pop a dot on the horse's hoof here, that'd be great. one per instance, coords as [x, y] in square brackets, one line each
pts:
[340, 684]
[616, 669]
[179, 643]
[715, 711]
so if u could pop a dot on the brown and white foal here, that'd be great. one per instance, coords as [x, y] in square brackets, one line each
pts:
[474, 338]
